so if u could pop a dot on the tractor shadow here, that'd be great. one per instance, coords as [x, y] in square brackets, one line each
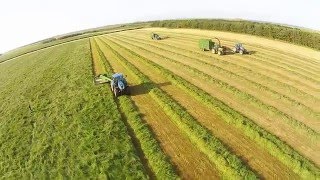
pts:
[164, 37]
[252, 52]
[145, 88]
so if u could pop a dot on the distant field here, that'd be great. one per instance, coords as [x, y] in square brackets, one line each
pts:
[191, 114]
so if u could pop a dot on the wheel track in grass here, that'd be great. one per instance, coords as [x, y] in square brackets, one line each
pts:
[300, 142]
[267, 165]
[269, 110]
[298, 95]
[287, 106]
[189, 161]
[253, 60]
[268, 49]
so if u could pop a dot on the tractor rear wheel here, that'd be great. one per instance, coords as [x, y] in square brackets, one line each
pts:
[220, 53]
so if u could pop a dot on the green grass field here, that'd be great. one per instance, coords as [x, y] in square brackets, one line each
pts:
[190, 115]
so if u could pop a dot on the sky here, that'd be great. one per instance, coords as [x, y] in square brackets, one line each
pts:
[27, 21]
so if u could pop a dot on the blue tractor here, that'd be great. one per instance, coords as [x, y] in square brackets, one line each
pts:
[239, 48]
[119, 85]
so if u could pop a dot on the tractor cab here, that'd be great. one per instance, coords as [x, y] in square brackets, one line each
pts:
[118, 77]
[119, 85]
[239, 48]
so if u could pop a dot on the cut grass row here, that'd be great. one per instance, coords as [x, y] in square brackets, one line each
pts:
[229, 164]
[272, 66]
[268, 109]
[158, 161]
[309, 114]
[98, 66]
[231, 65]
[234, 66]
[288, 59]
[266, 165]
[192, 44]
[274, 145]
[189, 161]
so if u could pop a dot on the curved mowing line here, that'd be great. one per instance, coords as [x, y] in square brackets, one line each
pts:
[308, 60]
[274, 63]
[229, 164]
[258, 64]
[159, 162]
[273, 144]
[242, 95]
[259, 86]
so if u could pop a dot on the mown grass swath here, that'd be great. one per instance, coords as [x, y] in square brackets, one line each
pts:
[241, 94]
[265, 51]
[306, 110]
[57, 124]
[157, 159]
[264, 61]
[273, 144]
[229, 164]
[176, 45]
[295, 94]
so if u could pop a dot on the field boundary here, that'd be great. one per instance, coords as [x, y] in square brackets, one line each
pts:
[65, 42]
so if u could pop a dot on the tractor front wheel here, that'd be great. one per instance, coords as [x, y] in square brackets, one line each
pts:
[220, 53]
[214, 51]
[241, 52]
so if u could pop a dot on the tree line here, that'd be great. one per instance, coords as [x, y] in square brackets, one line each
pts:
[273, 31]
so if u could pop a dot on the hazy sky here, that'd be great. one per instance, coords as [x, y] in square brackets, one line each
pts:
[27, 21]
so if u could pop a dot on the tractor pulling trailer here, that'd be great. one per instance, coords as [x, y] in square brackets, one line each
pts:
[216, 48]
